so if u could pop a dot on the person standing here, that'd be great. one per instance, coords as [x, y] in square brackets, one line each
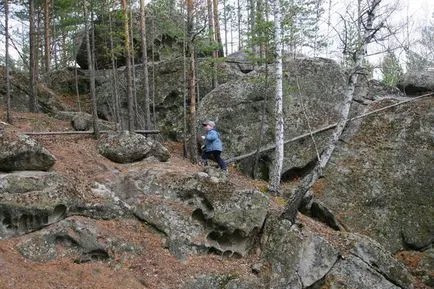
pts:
[213, 145]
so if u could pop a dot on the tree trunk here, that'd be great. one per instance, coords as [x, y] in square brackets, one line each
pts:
[212, 39]
[154, 116]
[116, 108]
[47, 28]
[191, 119]
[145, 64]
[251, 25]
[33, 61]
[259, 19]
[131, 115]
[91, 65]
[225, 25]
[217, 36]
[240, 33]
[8, 84]
[278, 159]
[55, 49]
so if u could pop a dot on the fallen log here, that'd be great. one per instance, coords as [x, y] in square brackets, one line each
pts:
[84, 132]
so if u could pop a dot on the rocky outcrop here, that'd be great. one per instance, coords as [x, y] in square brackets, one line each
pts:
[168, 95]
[315, 89]
[77, 237]
[241, 61]
[414, 83]
[218, 281]
[30, 201]
[381, 169]
[19, 152]
[371, 90]
[378, 183]
[380, 179]
[197, 214]
[48, 100]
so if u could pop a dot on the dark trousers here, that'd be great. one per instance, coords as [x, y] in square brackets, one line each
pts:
[216, 157]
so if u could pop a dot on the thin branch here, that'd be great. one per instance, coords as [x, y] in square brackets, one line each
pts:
[307, 121]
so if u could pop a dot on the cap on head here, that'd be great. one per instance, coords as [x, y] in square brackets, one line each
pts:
[209, 122]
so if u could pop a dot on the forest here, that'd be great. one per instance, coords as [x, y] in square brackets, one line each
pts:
[328, 141]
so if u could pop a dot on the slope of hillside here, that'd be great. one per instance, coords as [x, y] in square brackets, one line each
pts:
[78, 159]
[151, 266]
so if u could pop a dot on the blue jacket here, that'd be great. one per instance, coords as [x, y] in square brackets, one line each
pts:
[212, 141]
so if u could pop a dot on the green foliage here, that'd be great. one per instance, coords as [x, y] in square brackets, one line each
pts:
[168, 19]
[301, 21]
[391, 69]
[206, 68]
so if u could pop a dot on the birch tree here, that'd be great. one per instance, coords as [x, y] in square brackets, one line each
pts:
[366, 34]
[274, 184]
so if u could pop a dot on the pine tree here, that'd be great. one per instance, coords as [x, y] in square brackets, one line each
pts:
[391, 69]
[33, 65]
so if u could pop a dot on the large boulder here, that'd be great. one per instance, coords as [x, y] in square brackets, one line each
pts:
[241, 61]
[19, 152]
[379, 180]
[313, 92]
[128, 147]
[32, 200]
[416, 82]
[168, 96]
